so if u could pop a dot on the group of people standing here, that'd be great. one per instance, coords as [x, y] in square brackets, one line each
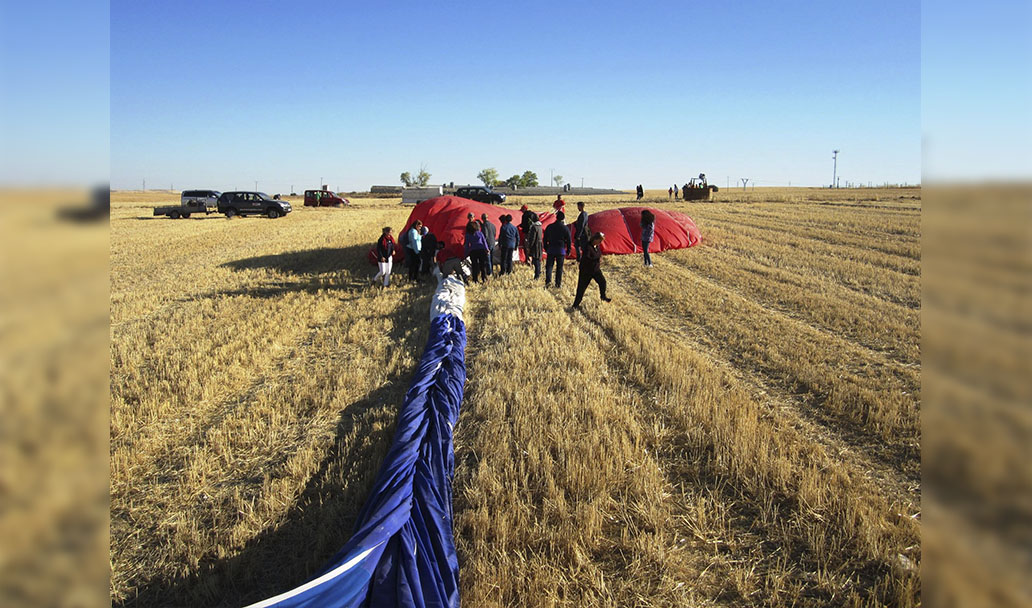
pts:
[423, 250]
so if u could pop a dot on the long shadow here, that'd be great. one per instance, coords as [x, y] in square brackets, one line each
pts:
[311, 261]
[323, 516]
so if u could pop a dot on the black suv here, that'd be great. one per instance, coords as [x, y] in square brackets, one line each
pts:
[244, 203]
[482, 194]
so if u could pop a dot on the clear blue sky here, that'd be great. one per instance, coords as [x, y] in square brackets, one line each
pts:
[221, 94]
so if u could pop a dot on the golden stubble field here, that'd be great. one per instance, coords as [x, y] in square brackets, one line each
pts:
[740, 426]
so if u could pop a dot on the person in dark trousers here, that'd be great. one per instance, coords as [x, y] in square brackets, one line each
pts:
[684, 192]
[677, 192]
[476, 251]
[428, 249]
[508, 241]
[640, 191]
[669, 193]
[525, 223]
[534, 247]
[413, 245]
[557, 244]
[489, 231]
[648, 231]
[580, 230]
[591, 270]
[385, 256]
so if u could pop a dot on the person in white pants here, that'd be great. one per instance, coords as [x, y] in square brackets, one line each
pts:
[385, 256]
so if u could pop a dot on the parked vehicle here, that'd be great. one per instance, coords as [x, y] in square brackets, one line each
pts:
[414, 196]
[324, 198]
[481, 193]
[191, 201]
[247, 203]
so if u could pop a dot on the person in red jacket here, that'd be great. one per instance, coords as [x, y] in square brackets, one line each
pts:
[559, 204]
[591, 269]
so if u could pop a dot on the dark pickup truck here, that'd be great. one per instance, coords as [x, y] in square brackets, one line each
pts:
[248, 203]
[481, 194]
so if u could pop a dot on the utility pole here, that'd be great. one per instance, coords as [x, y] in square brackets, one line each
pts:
[256, 185]
[728, 182]
[582, 183]
[834, 170]
[144, 185]
[745, 180]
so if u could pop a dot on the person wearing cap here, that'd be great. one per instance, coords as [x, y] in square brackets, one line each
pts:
[591, 269]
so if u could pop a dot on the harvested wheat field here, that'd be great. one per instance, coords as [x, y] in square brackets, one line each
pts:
[739, 426]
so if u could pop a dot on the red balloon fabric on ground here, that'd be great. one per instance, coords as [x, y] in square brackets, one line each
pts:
[446, 218]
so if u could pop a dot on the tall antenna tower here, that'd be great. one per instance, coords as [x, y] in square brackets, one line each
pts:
[834, 169]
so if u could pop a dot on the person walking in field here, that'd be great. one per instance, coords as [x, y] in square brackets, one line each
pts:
[489, 231]
[413, 245]
[640, 191]
[534, 245]
[557, 244]
[508, 240]
[669, 193]
[580, 230]
[591, 270]
[677, 192]
[385, 256]
[476, 251]
[648, 231]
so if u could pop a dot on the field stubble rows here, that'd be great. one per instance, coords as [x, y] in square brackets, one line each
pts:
[736, 428]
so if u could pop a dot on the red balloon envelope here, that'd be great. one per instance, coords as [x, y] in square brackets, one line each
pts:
[446, 217]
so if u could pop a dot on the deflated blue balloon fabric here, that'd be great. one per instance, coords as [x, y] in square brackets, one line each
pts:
[403, 551]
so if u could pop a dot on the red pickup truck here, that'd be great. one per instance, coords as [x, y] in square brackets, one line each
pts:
[324, 198]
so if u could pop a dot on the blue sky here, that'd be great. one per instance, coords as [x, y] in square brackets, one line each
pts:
[222, 94]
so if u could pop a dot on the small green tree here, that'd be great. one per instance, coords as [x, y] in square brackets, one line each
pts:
[406, 179]
[529, 179]
[489, 176]
[423, 178]
[558, 179]
[514, 182]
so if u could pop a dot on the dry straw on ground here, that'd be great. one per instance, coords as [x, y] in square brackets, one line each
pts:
[738, 427]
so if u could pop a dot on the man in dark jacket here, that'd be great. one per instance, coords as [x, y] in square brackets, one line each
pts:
[534, 245]
[591, 269]
[508, 241]
[428, 250]
[557, 244]
[489, 231]
[580, 230]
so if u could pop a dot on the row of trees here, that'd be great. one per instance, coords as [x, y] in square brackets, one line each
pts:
[489, 176]
[529, 179]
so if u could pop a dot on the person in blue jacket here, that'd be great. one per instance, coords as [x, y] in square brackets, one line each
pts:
[648, 231]
[413, 245]
[476, 250]
[557, 244]
[508, 241]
